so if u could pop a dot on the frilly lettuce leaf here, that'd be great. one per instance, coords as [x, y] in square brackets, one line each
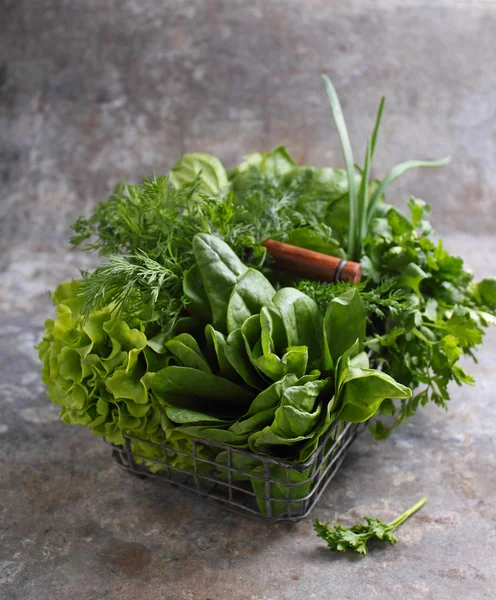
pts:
[94, 369]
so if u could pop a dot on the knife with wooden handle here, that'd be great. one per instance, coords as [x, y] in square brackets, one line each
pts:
[311, 264]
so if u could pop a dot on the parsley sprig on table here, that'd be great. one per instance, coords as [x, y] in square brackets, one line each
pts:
[357, 537]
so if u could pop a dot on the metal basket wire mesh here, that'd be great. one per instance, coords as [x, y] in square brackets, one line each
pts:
[243, 481]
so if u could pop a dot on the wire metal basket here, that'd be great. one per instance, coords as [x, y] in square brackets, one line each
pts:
[243, 481]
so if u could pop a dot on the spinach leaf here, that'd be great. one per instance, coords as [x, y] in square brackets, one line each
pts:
[278, 488]
[218, 343]
[316, 240]
[240, 360]
[196, 296]
[185, 387]
[252, 291]
[185, 416]
[294, 360]
[274, 335]
[302, 321]
[220, 270]
[344, 323]
[271, 396]
[363, 392]
[186, 349]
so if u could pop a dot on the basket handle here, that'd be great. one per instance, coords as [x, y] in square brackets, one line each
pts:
[313, 265]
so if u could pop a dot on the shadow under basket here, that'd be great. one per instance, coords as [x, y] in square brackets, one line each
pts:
[240, 480]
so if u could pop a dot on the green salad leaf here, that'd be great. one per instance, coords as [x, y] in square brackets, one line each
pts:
[95, 369]
[212, 177]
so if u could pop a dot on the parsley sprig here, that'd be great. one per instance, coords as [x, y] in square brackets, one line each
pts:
[356, 538]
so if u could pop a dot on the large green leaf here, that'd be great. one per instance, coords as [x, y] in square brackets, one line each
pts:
[196, 295]
[276, 163]
[211, 172]
[96, 368]
[220, 269]
[185, 387]
[237, 356]
[294, 360]
[306, 237]
[304, 394]
[128, 384]
[261, 348]
[218, 342]
[267, 441]
[299, 487]
[295, 419]
[344, 323]
[187, 351]
[299, 411]
[291, 423]
[252, 291]
[238, 462]
[245, 427]
[343, 365]
[363, 392]
[185, 415]
[271, 396]
[217, 435]
[274, 337]
[302, 320]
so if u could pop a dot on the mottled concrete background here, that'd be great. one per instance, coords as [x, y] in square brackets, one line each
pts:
[92, 91]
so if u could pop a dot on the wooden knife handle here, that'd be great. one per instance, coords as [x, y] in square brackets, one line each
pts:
[313, 265]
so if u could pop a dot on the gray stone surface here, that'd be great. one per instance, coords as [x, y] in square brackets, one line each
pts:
[75, 527]
[92, 91]
[97, 90]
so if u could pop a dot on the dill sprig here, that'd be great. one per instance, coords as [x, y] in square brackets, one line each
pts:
[146, 230]
[136, 217]
[135, 285]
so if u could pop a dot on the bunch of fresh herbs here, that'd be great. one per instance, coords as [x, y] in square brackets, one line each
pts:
[423, 311]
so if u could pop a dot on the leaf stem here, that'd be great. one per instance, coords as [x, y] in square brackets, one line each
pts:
[408, 513]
